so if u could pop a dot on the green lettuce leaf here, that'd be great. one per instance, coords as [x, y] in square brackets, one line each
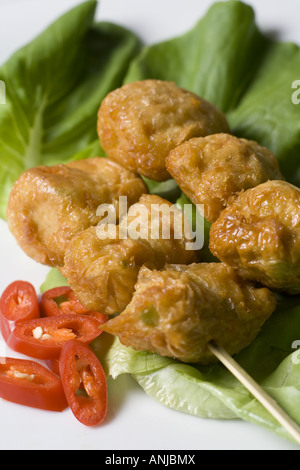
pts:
[54, 279]
[54, 87]
[266, 112]
[118, 360]
[217, 59]
[228, 61]
[168, 189]
[182, 202]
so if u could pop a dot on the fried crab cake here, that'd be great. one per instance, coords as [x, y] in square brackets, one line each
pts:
[259, 234]
[211, 170]
[178, 311]
[141, 122]
[103, 270]
[49, 205]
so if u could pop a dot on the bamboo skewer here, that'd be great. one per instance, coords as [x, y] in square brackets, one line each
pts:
[256, 390]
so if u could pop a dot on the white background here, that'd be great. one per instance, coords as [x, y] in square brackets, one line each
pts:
[135, 421]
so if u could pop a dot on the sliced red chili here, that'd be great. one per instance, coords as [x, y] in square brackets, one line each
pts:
[63, 301]
[60, 301]
[84, 383]
[44, 338]
[31, 384]
[53, 365]
[18, 302]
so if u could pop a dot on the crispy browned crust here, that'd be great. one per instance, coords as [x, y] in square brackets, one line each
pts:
[141, 122]
[213, 169]
[178, 311]
[259, 234]
[103, 273]
[49, 205]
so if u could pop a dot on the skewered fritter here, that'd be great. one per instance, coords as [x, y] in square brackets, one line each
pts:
[103, 272]
[49, 205]
[140, 266]
[259, 234]
[213, 169]
[178, 311]
[141, 122]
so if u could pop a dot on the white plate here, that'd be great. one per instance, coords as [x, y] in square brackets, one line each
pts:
[135, 421]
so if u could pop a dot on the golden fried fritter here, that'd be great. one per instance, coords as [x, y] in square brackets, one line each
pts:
[178, 311]
[141, 122]
[164, 227]
[103, 272]
[259, 233]
[49, 205]
[213, 169]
